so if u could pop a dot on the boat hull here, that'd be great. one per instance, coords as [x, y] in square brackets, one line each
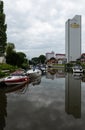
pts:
[34, 74]
[77, 71]
[15, 80]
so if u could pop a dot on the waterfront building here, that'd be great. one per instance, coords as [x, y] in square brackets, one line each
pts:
[57, 58]
[61, 58]
[2, 59]
[73, 38]
[50, 55]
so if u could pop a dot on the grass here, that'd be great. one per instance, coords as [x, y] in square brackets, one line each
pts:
[5, 69]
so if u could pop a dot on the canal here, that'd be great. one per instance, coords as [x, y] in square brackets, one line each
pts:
[55, 101]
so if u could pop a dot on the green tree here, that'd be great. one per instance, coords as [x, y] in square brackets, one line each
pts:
[3, 27]
[10, 48]
[21, 58]
[10, 54]
[15, 58]
[12, 58]
[35, 60]
[42, 59]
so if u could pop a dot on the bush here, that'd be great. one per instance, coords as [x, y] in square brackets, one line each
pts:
[2, 74]
[5, 69]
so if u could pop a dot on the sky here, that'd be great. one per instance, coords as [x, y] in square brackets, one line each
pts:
[38, 26]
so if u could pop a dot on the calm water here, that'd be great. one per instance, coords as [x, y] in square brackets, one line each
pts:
[56, 101]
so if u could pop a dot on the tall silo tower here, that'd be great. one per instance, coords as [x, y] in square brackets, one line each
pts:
[73, 38]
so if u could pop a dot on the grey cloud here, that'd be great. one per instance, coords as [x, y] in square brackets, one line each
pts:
[40, 25]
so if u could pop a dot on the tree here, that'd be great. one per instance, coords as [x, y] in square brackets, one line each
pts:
[10, 54]
[12, 58]
[10, 48]
[35, 60]
[21, 58]
[42, 59]
[3, 27]
[38, 60]
[15, 58]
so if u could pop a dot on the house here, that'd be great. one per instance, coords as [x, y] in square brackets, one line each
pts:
[2, 59]
[51, 61]
[61, 58]
[50, 55]
[82, 58]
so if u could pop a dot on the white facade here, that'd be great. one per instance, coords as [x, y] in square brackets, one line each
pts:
[49, 55]
[2, 59]
[73, 38]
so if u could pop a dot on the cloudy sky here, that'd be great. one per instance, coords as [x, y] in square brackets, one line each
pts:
[38, 26]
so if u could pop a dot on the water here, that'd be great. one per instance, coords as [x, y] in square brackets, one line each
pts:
[55, 101]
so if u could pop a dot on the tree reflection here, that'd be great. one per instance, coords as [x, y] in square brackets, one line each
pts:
[3, 109]
[55, 73]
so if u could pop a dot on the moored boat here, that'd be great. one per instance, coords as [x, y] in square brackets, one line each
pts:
[77, 69]
[33, 73]
[12, 80]
[15, 78]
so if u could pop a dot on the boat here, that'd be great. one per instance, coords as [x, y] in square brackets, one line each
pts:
[77, 69]
[33, 73]
[42, 68]
[16, 78]
[77, 75]
[12, 80]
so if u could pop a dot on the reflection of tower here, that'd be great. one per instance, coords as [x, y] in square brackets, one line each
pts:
[3, 112]
[73, 96]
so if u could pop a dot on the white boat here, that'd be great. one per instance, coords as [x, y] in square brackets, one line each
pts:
[13, 80]
[16, 78]
[77, 69]
[34, 73]
[77, 75]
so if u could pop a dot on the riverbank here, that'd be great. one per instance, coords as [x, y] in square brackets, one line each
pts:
[6, 69]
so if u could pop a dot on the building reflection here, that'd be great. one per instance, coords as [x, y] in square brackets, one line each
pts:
[73, 95]
[3, 109]
[55, 73]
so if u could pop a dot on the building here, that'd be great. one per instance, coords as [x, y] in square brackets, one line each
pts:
[82, 58]
[52, 58]
[2, 59]
[50, 55]
[73, 38]
[61, 58]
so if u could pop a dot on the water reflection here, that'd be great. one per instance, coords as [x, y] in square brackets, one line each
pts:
[55, 73]
[3, 109]
[36, 81]
[73, 95]
[16, 88]
[43, 104]
[72, 90]
[3, 101]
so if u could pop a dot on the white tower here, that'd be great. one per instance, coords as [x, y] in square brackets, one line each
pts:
[73, 38]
